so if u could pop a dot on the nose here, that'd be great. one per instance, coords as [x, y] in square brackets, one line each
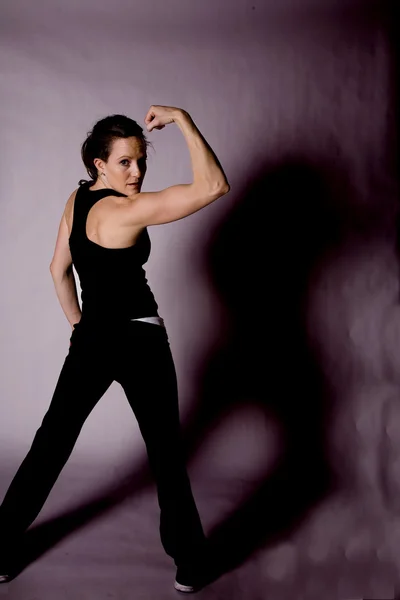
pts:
[135, 169]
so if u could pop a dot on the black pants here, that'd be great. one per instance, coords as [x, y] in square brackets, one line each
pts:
[137, 355]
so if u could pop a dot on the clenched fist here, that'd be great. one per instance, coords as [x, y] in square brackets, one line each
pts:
[160, 116]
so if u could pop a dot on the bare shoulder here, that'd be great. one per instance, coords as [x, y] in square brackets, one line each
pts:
[70, 202]
[69, 209]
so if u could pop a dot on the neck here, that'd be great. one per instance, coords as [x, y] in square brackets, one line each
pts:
[99, 185]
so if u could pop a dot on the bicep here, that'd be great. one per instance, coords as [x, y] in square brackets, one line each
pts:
[62, 259]
[170, 204]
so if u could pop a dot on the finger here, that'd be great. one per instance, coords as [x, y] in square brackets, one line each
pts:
[149, 121]
[150, 116]
[154, 124]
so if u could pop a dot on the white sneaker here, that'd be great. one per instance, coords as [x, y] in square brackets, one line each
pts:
[184, 588]
[189, 579]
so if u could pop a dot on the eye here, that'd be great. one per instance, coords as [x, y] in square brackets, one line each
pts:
[125, 160]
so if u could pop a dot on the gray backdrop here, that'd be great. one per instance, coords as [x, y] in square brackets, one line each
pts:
[281, 299]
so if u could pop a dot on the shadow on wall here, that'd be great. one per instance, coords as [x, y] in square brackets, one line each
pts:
[262, 260]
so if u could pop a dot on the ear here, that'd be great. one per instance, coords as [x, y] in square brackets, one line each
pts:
[99, 164]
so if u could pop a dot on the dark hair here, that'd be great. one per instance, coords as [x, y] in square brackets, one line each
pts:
[99, 141]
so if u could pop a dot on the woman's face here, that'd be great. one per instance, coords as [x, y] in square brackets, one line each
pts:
[126, 166]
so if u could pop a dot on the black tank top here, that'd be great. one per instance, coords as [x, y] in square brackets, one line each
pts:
[113, 282]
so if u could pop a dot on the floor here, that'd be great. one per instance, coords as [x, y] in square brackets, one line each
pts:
[111, 549]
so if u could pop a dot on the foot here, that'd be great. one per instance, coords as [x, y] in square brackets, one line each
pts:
[186, 589]
[186, 581]
[5, 571]
[8, 559]
[191, 579]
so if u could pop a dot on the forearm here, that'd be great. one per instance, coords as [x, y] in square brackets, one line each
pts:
[207, 170]
[65, 287]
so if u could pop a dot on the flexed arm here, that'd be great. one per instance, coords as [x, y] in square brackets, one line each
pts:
[178, 201]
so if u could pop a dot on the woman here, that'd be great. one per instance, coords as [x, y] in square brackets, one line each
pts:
[119, 336]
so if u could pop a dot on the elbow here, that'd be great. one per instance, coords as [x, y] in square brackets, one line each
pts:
[58, 273]
[225, 188]
[54, 270]
[220, 189]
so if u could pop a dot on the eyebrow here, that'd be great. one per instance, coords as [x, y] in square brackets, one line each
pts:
[127, 156]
